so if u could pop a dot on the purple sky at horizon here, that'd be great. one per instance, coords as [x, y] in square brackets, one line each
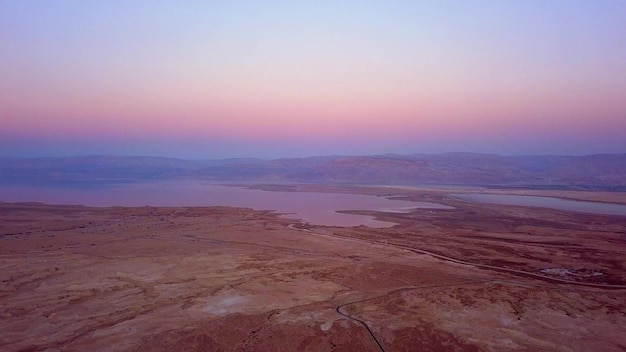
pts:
[208, 79]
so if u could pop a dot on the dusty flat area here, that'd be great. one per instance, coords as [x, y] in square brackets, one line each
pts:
[478, 277]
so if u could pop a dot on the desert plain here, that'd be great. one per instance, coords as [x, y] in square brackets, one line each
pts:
[478, 277]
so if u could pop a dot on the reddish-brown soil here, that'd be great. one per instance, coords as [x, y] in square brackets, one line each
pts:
[475, 278]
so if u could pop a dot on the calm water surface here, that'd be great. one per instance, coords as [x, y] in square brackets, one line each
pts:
[313, 207]
[547, 202]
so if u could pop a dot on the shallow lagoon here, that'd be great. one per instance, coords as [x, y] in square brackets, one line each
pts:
[547, 202]
[312, 207]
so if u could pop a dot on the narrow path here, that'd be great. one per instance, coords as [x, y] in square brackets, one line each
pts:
[509, 270]
[464, 262]
[338, 309]
[442, 257]
[406, 288]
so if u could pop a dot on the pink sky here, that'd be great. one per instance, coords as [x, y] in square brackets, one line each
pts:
[283, 79]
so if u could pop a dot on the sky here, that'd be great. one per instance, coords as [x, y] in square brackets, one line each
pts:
[271, 79]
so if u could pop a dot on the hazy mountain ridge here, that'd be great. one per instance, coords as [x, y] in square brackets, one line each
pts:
[602, 171]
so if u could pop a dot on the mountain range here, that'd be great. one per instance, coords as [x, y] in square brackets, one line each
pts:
[599, 171]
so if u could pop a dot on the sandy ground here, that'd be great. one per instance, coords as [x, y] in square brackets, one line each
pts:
[474, 278]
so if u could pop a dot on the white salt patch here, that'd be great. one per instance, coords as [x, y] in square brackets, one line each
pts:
[557, 271]
[326, 326]
[225, 305]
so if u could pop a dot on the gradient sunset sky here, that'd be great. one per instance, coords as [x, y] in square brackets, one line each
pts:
[268, 79]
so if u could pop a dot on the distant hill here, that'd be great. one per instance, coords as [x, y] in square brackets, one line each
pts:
[601, 171]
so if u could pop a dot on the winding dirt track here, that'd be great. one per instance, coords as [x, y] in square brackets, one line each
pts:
[339, 309]
[464, 262]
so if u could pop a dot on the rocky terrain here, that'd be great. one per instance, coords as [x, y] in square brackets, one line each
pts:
[478, 277]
